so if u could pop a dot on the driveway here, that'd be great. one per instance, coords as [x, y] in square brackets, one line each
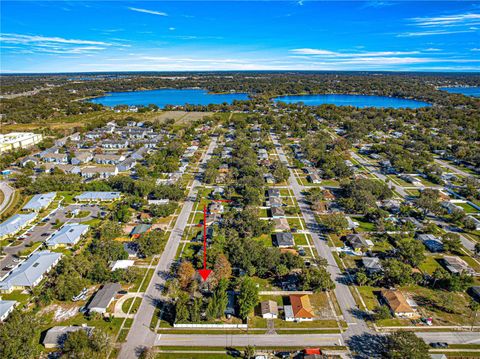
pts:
[7, 195]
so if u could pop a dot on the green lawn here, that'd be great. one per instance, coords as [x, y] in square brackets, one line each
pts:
[369, 296]
[136, 304]
[364, 225]
[468, 208]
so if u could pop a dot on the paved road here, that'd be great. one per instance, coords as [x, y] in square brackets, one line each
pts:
[345, 299]
[451, 337]
[452, 168]
[238, 340]
[140, 335]
[41, 233]
[469, 245]
[374, 169]
[7, 195]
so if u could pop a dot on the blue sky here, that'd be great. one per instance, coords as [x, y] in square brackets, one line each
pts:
[77, 36]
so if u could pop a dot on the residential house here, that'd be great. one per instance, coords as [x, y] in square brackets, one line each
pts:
[457, 265]
[102, 299]
[56, 336]
[299, 310]
[67, 236]
[372, 265]
[39, 202]
[269, 309]
[277, 212]
[283, 240]
[16, 223]
[98, 172]
[314, 178]
[140, 153]
[115, 144]
[398, 304]
[29, 159]
[411, 179]
[65, 168]
[281, 225]
[269, 179]
[55, 158]
[215, 207]
[81, 158]
[6, 307]
[433, 243]
[357, 242]
[275, 202]
[127, 164]
[108, 159]
[31, 272]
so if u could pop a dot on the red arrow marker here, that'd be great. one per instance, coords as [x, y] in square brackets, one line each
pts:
[204, 272]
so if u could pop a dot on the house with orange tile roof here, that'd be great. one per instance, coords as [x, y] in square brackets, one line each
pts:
[299, 310]
[398, 304]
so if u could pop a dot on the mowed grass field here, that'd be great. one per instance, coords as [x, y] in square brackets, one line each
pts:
[69, 122]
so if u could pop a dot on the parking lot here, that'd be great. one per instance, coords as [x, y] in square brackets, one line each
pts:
[42, 230]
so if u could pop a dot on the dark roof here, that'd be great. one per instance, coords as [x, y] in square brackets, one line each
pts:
[284, 239]
[104, 296]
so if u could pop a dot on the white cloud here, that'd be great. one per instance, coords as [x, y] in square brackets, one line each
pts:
[432, 33]
[146, 11]
[475, 49]
[32, 39]
[446, 20]
[328, 53]
[171, 28]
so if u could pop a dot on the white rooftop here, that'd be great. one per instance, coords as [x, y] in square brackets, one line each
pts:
[40, 201]
[30, 272]
[69, 234]
[104, 196]
[15, 223]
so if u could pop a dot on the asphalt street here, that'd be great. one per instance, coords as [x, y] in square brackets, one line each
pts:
[239, 340]
[350, 311]
[7, 195]
[140, 335]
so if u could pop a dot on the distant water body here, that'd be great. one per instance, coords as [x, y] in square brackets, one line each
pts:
[467, 91]
[353, 100]
[163, 97]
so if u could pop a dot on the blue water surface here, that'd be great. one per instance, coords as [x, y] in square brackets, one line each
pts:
[467, 91]
[353, 100]
[163, 97]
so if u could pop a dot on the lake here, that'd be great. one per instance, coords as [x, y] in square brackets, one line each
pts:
[353, 100]
[467, 91]
[163, 97]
